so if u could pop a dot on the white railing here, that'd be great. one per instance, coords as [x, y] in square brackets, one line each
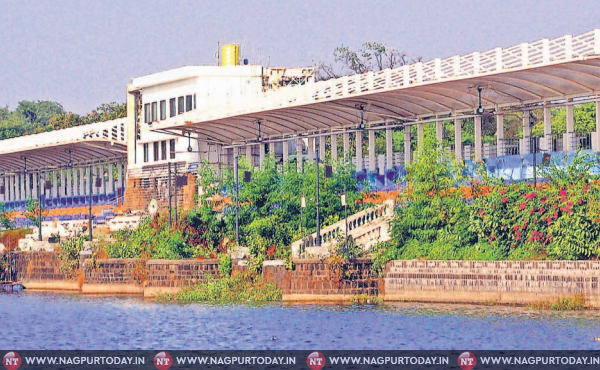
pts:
[524, 55]
[114, 130]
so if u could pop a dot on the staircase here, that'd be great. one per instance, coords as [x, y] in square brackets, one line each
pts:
[367, 227]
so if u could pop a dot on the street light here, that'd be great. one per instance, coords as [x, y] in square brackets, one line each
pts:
[237, 201]
[318, 241]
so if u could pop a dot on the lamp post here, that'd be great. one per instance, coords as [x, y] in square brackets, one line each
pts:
[39, 206]
[237, 200]
[170, 212]
[318, 241]
[345, 204]
[90, 183]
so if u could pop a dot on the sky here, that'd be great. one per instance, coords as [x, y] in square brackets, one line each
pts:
[83, 53]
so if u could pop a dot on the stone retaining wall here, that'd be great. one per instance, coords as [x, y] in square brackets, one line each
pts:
[39, 270]
[165, 276]
[114, 275]
[504, 282]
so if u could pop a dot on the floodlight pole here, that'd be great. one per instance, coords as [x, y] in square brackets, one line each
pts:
[90, 181]
[237, 201]
[318, 241]
[346, 209]
[40, 206]
[175, 200]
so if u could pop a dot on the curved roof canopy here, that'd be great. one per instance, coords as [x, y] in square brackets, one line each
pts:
[92, 143]
[542, 71]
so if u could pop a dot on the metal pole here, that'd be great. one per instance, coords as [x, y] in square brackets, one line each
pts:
[90, 181]
[40, 206]
[175, 200]
[318, 244]
[237, 201]
[534, 163]
[170, 211]
[346, 209]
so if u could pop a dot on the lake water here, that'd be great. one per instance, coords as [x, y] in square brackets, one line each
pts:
[33, 320]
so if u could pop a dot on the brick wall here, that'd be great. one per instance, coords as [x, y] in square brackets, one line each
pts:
[35, 266]
[510, 282]
[112, 271]
[177, 274]
[314, 277]
[140, 191]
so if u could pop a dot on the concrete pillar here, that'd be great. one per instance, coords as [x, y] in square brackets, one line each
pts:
[131, 127]
[61, 192]
[286, 151]
[311, 149]
[500, 135]
[299, 158]
[111, 178]
[261, 154]
[478, 139]
[346, 140]
[372, 155]
[406, 145]
[526, 134]
[458, 139]
[21, 187]
[120, 175]
[82, 187]
[27, 187]
[34, 190]
[596, 141]
[11, 188]
[3, 196]
[249, 155]
[570, 134]
[69, 183]
[334, 149]
[439, 132]
[54, 184]
[389, 148]
[420, 134]
[359, 155]
[547, 129]
[321, 148]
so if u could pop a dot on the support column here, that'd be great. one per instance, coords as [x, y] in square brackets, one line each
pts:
[21, 187]
[286, 152]
[3, 196]
[69, 184]
[526, 134]
[261, 154]
[420, 134]
[407, 153]
[458, 139]
[372, 155]
[346, 140]
[570, 134]
[596, 147]
[61, 192]
[81, 182]
[54, 184]
[389, 148]
[111, 177]
[359, 155]
[321, 148]
[439, 132]
[500, 135]
[311, 149]
[249, 155]
[27, 187]
[547, 129]
[11, 188]
[272, 149]
[120, 175]
[299, 158]
[35, 180]
[478, 139]
[334, 150]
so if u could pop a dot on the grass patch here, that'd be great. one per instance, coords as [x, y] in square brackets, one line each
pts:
[240, 287]
[365, 299]
[572, 303]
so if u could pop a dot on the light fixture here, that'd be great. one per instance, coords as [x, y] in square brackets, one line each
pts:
[259, 138]
[361, 125]
[189, 148]
[480, 108]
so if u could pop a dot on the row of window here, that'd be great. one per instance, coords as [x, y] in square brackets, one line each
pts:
[160, 150]
[176, 106]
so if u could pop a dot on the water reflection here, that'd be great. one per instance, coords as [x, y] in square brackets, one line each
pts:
[69, 321]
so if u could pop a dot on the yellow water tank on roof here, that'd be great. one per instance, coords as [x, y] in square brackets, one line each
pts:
[230, 55]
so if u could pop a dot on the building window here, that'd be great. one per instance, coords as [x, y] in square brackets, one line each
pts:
[173, 107]
[154, 112]
[156, 151]
[147, 113]
[180, 106]
[163, 109]
[188, 103]
[146, 156]
[163, 150]
[172, 148]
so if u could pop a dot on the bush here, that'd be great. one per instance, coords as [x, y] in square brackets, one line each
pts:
[68, 254]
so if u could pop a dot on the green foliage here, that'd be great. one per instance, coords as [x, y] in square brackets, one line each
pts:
[6, 218]
[573, 303]
[225, 266]
[68, 254]
[346, 248]
[236, 288]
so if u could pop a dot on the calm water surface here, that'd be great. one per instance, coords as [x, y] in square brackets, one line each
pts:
[63, 321]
